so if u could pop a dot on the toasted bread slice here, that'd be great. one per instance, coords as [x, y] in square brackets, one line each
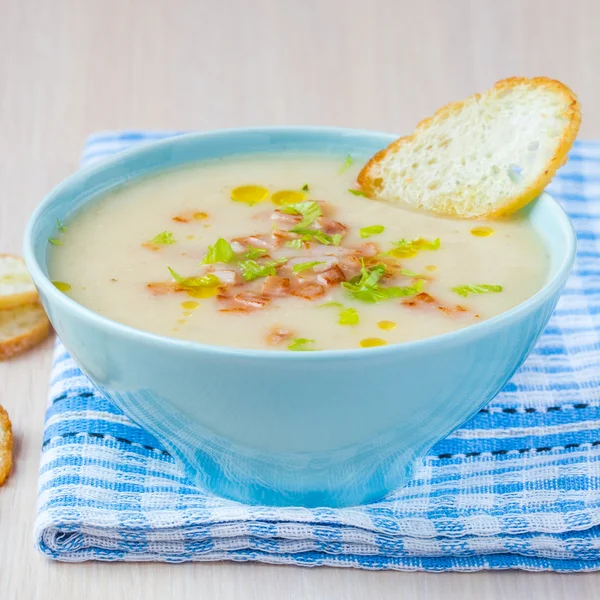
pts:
[486, 156]
[22, 328]
[6, 440]
[16, 286]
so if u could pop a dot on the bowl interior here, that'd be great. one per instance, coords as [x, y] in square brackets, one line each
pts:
[545, 214]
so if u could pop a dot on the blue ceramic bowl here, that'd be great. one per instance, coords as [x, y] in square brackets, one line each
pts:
[331, 428]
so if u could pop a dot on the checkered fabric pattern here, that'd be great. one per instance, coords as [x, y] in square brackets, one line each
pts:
[518, 486]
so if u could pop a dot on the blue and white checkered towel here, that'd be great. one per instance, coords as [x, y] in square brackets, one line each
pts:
[517, 487]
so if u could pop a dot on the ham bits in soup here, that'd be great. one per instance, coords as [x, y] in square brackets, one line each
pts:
[283, 252]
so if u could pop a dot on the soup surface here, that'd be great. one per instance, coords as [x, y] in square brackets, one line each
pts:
[282, 252]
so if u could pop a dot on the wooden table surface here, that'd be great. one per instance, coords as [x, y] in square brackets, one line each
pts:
[70, 67]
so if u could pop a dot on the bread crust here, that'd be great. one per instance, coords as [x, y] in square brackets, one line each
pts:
[14, 300]
[370, 184]
[6, 443]
[30, 338]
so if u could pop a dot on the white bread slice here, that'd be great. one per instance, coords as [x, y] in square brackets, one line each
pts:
[486, 156]
[22, 328]
[16, 286]
[6, 440]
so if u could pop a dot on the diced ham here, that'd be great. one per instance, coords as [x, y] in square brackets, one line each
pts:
[425, 300]
[279, 334]
[151, 246]
[454, 310]
[350, 265]
[280, 236]
[328, 263]
[285, 219]
[419, 300]
[308, 290]
[276, 286]
[238, 247]
[235, 308]
[264, 241]
[182, 218]
[331, 276]
[227, 276]
[329, 226]
[252, 300]
[338, 251]
[369, 249]
[242, 302]
[327, 209]
[161, 288]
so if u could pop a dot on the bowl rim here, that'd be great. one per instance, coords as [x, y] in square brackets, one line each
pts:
[487, 327]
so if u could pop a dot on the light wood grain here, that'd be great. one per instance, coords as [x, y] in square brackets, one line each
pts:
[69, 67]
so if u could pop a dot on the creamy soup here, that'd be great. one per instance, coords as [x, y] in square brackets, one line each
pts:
[282, 252]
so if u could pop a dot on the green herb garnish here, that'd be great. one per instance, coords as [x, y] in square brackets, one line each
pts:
[189, 283]
[336, 304]
[305, 187]
[418, 244]
[409, 273]
[299, 345]
[309, 210]
[347, 163]
[476, 288]
[357, 192]
[366, 232]
[61, 228]
[402, 292]
[252, 270]
[409, 248]
[364, 287]
[198, 287]
[164, 238]
[349, 317]
[253, 253]
[309, 235]
[297, 244]
[221, 251]
[306, 265]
